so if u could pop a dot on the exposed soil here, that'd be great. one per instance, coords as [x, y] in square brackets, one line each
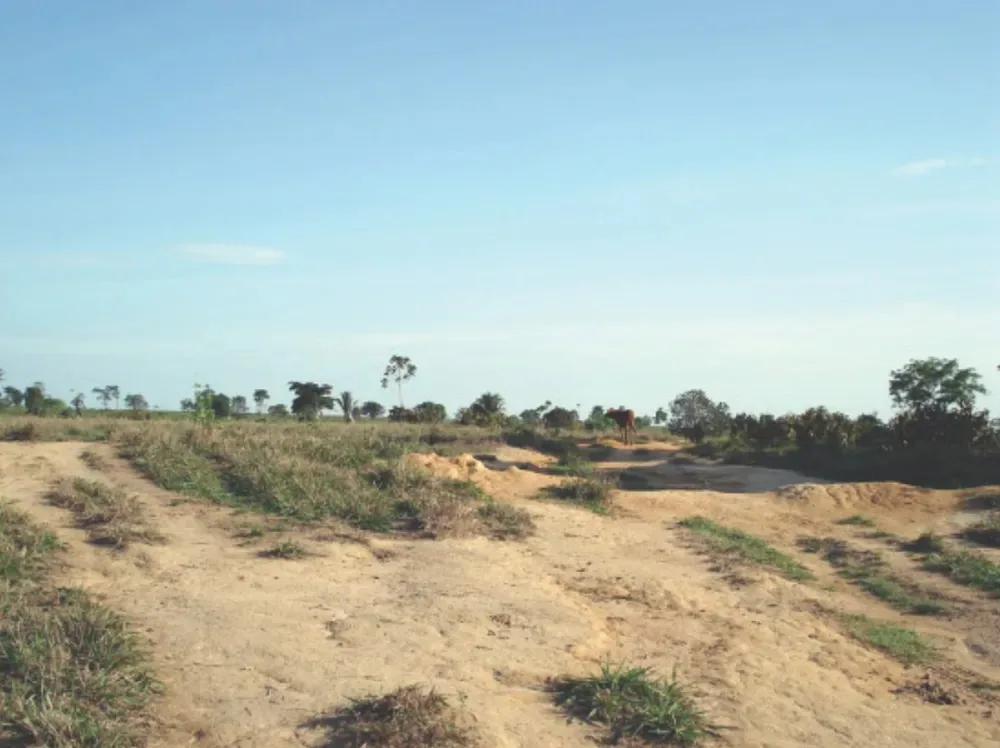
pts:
[252, 648]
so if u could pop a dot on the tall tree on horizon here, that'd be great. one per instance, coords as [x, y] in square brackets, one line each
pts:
[311, 399]
[400, 369]
[261, 397]
[103, 395]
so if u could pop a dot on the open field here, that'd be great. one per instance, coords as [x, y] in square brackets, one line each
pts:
[470, 589]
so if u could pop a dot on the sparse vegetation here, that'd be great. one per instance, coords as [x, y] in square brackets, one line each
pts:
[857, 519]
[904, 644]
[868, 570]
[409, 717]
[967, 568]
[632, 702]
[110, 515]
[745, 547]
[72, 673]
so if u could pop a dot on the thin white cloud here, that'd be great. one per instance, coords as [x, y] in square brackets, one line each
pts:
[929, 165]
[232, 254]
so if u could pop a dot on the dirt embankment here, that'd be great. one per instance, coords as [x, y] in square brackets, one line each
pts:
[250, 648]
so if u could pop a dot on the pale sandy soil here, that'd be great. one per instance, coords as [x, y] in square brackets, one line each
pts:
[250, 648]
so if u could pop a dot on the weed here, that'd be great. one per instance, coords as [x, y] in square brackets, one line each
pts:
[110, 515]
[746, 547]
[633, 703]
[286, 549]
[985, 532]
[866, 569]
[72, 673]
[409, 717]
[592, 492]
[857, 519]
[904, 644]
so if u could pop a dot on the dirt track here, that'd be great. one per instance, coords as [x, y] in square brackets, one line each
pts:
[250, 648]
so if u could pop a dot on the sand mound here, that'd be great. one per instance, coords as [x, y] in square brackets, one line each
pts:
[460, 467]
[888, 496]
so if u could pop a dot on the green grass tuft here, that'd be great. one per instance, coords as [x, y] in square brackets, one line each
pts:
[857, 519]
[748, 548]
[633, 703]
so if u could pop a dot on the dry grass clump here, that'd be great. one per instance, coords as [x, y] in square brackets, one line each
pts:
[110, 514]
[311, 472]
[409, 717]
[72, 672]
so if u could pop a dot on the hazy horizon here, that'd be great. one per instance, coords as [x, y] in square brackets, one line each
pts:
[588, 203]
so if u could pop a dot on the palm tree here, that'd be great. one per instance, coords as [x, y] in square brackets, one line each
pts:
[347, 405]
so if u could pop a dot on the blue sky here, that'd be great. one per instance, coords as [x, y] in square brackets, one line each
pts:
[588, 202]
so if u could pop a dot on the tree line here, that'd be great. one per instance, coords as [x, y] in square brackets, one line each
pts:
[934, 399]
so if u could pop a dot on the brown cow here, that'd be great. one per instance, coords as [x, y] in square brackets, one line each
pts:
[625, 418]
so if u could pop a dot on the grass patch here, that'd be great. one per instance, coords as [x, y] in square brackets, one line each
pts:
[857, 519]
[867, 570]
[985, 532]
[592, 492]
[286, 549]
[633, 703]
[72, 673]
[966, 568]
[311, 472]
[110, 515]
[410, 717]
[35, 429]
[745, 547]
[904, 644]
